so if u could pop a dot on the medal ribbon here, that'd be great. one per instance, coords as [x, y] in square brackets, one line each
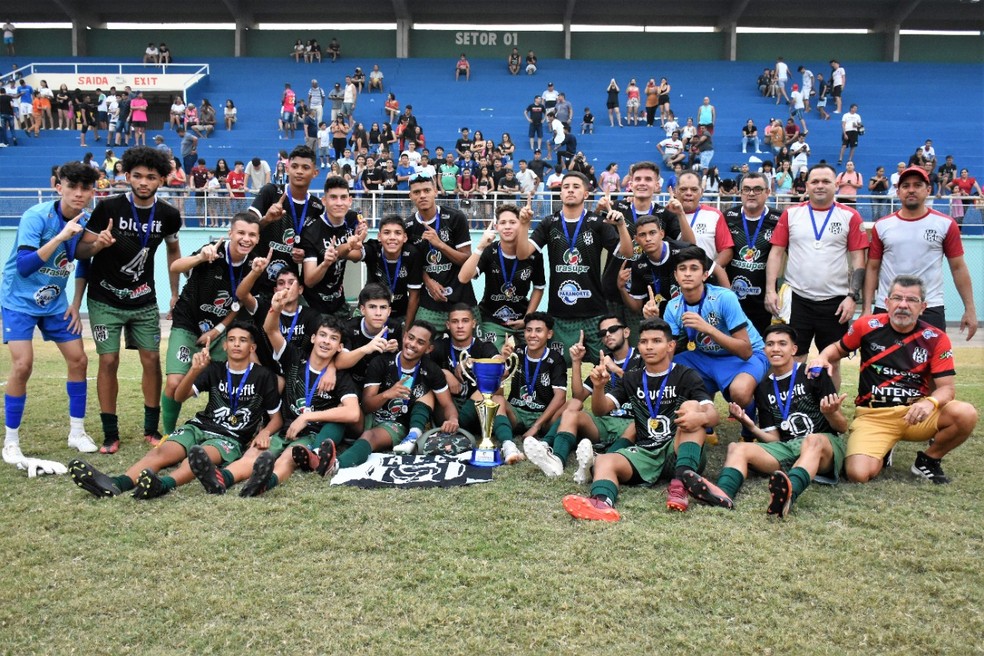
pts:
[454, 352]
[577, 228]
[813, 221]
[437, 224]
[399, 370]
[784, 408]
[235, 394]
[694, 219]
[72, 243]
[394, 281]
[531, 382]
[654, 410]
[684, 307]
[657, 283]
[751, 239]
[625, 363]
[232, 272]
[635, 215]
[502, 262]
[146, 229]
[293, 324]
[309, 391]
[298, 221]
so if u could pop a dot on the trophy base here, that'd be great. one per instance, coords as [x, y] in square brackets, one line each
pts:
[485, 458]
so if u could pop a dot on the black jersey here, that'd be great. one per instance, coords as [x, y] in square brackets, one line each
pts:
[535, 380]
[658, 275]
[236, 406]
[399, 276]
[283, 235]
[746, 270]
[452, 227]
[656, 428]
[296, 328]
[508, 284]
[386, 372]
[803, 415]
[355, 337]
[671, 227]
[447, 356]
[122, 275]
[627, 364]
[210, 293]
[575, 269]
[318, 236]
[300, 381]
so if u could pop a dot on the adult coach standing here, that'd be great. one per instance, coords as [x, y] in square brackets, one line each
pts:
[913, 241]
[825, 269]
[121, 238]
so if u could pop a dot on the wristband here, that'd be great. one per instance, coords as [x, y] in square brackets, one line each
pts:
[478, 251]
[935, 402]
[219, 328]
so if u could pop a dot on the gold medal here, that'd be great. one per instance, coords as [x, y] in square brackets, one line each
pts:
[691, 346]
[654, 426]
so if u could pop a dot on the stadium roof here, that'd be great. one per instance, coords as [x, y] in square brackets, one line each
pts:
[873, 15]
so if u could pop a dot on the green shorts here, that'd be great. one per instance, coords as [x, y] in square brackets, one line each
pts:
[467, 414]
[394, 429]
[653, 465]
[568, 331]
[329, 431]
[498, 334]
[188, 435]
[437, 319]
[788, 452]
[140, 326]
[526, 418]
[181, 347]
[610, 429]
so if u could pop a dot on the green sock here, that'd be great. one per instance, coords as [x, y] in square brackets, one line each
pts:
[502, 429]
[563, 445]
[619, 443]
[605, 488]
[551, 436]
[468, 416]
[356, 454]
[111, 425]
[227, 477]
[152, 417]
[168, 483]
[730, 480]
[420, 415]
[170, 409]
[800, 479]
[124, 483]
[273, 481]
[688, 457]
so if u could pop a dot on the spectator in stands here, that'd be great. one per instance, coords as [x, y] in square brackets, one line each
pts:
[163, 54]
[664, 102]
[151, 54]
[257, 174]
[534, 115]
[764, 82]
[706, 115]
[776, 136]
[350, 97]
[311, 130]
[632, 101]
[375, 139]
[336, 96]
[799, 186]
[671, 150]
[784, 184]
[704, 148]
[506, 148]
[587, 121]
[848, 182]
[334, 50]
[375, 79]
[316, 100]
[799, 151]
[513, 62]
[288, 109]
[807, 83]
[161, 146]
[783, 156]
[749, 136]
[230, 113]
[798, 107]
[339, 134]
[792, 130]
[178, 108]
[710, 181]
[62, 103]
[313, 51]
[967, 186]
[298, 52]
[118, 177]
[392, 107]
[609, 181]
[652, 101]
[387, 138]
[188, 148]
[782, 76]
[462, 67]
[206, 119]
[851, 128]
[8, 38]
[947, 171]
[359, 139]
[359, 79]
[838, 80]
[138, 119]
[530, 63]
[177, 178]
[190, 115]
[689, 132]
[47, 97]
[612, 104]
[564, 111]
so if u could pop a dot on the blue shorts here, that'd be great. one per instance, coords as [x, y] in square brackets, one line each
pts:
[19, 326]
[323, 151]
[8, 40]
[717, 371]
[288, 117]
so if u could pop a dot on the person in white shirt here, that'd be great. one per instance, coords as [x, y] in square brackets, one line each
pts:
[257, 174]
[375, 79]
[800, 151]
[527, 179]
[151, 54]
[850, 129]
[838, 80]
[893, 185]
[782, 75]
[671, 149]
[807, 86]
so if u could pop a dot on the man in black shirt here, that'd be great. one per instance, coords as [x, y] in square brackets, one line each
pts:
[534, 114]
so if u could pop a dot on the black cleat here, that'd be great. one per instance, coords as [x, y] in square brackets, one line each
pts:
[929, 468]
[257, 483]
[304, 458]
[205, 471]
[92, 480]
[329, 463]
[780, 494]
[149, 486]
[703, 490]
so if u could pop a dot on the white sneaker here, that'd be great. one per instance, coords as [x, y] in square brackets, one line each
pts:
[12, 454]
[543, 457]
[585, 461]
[511, 454]
[82, 442]
[407, 446]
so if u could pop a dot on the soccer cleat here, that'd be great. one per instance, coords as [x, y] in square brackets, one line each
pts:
[153, 439]
[590, 508]
[149, 486]
[80, 440]
[780, 494]
[889, 458]
[511, 453]
[92, 480]
[12, 453]
[328, 464]
[205, 470]
[929, 468]
[703, 490]
[676, 496]
[541, 455]
[585, 461]
[406, 447]
[304, 458]
[109, 446]
[257, 483]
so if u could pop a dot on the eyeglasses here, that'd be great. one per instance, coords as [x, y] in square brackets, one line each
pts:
[752, 190]
[611, 330]
[911, 300]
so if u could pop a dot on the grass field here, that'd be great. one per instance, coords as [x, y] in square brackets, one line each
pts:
[892, 567]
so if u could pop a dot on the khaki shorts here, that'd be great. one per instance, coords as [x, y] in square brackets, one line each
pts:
[875, 431]
[140, 326]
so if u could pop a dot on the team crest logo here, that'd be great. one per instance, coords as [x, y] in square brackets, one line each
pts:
[658, 428]
[445, 235]
[290, 238]
[713, 318]
[748, 254]
[767, 235]
[588, 239]
[184, 354]
[525, 274]
[932, 236]
[572, 257]
[100, 333]
[44, 296]
[225, 416]
[570, 292]
[836, 228]
[544, 380]
[920, 355]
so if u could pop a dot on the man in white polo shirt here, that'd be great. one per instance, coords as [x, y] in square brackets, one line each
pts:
[826, 243]
[913, 241]
[708, 224]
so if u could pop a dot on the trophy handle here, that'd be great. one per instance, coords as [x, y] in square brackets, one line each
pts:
[466, 367]
[512, 363]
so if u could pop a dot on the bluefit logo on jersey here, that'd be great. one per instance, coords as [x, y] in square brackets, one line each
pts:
[127, 223]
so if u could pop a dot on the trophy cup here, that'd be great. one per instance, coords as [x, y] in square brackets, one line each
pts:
[487, 375]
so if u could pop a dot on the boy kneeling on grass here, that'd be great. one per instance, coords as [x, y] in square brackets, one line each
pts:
[239, 393]
[671, 409]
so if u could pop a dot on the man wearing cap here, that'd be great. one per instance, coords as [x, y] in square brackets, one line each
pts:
[550, 96]
[158, 144]
[336, 96]
[913, 241]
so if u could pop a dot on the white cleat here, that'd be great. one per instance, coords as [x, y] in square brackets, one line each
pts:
[81, 441]
[12, 454]
[585, 461]
[511, 454]
[543, 457]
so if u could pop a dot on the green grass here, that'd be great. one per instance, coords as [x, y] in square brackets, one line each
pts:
[891, 567]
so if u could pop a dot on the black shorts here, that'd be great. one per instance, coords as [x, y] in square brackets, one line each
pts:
[934, 316]
[836, 91]
[851, 140]
[664, 99]
[536, 130]
[816, 321]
